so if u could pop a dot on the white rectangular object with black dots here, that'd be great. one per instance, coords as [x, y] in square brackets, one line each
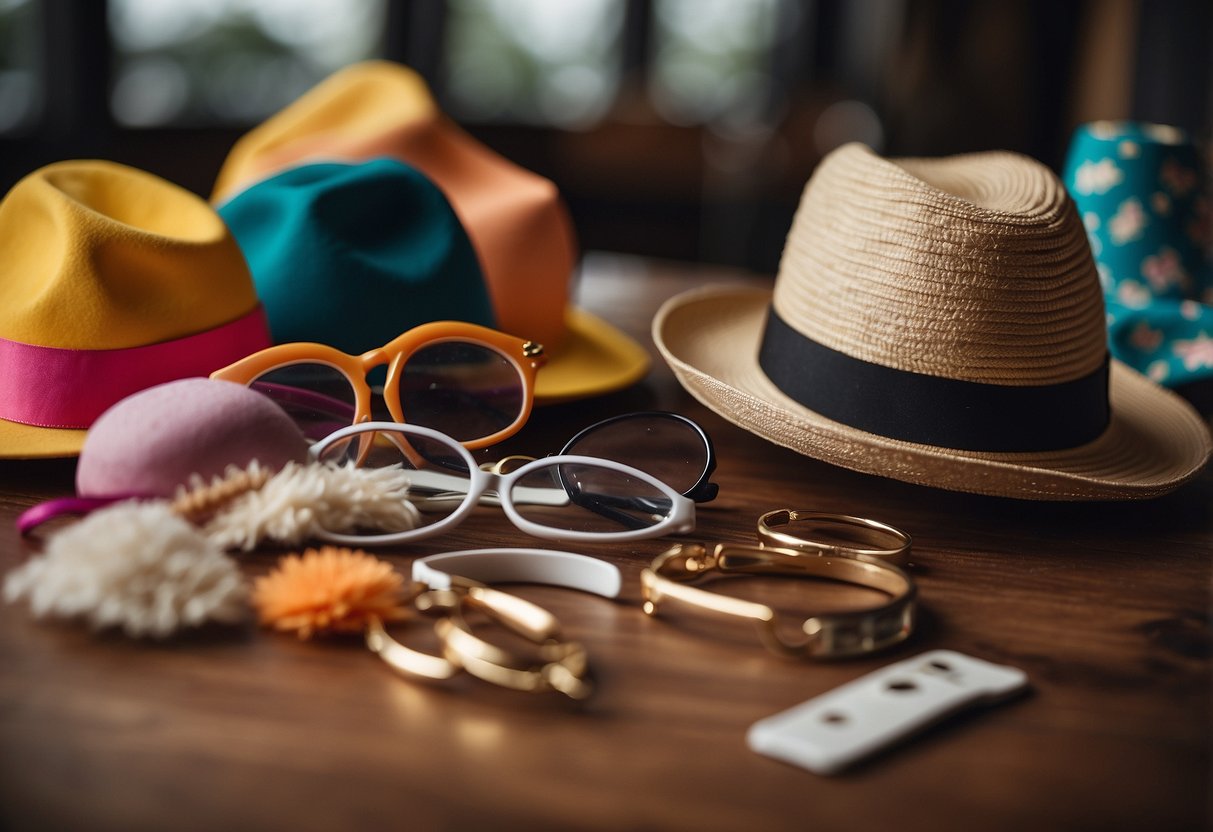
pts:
[830, 732]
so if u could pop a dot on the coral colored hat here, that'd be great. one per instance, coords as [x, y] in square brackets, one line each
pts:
[111, 281]
[937, 321]
[518, 226]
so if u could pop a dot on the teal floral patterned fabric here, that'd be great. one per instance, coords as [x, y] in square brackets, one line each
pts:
[1142, 193]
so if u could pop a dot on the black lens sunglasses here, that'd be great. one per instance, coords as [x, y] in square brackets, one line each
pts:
[669, 446]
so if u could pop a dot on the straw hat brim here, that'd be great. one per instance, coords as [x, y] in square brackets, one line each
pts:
[710, 337]
[595, 358]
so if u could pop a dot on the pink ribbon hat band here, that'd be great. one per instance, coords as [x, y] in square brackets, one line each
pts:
[65, 388]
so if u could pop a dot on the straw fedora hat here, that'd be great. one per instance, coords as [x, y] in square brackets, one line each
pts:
[937, 321]
[112, 280]
[518, 225]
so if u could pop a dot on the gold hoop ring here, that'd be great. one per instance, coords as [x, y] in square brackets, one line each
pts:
[819, 533]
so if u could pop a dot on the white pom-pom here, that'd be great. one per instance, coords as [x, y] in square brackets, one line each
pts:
[137, 566]
[301, 500]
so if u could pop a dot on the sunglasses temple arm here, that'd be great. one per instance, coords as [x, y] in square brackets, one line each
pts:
[446, 488]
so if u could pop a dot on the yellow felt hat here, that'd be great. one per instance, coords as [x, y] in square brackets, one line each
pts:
[111, 280]
[515, 219]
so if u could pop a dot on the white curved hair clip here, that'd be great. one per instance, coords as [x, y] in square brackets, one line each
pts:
[533, 566]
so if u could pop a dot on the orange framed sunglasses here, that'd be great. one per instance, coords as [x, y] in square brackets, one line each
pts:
[473, 383]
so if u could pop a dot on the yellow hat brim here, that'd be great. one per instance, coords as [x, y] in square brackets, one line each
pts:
[18, 441]
[595, 358]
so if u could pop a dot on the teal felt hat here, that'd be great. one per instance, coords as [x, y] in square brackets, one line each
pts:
[1142, 192]
[352, 255]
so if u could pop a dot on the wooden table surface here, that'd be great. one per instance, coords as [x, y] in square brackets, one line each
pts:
[1105, 606]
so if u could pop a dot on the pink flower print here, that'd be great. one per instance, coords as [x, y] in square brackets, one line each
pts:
[1158, 371]
[1178, 179]
[1196, 353]
[1164, 270]
[1105, 276]
[1144, 338]
[1097, 177]
[1161, 203]
[1164, 133]
[1133, 294]
[1128, 149]
[1127, 223]
[1189, 310]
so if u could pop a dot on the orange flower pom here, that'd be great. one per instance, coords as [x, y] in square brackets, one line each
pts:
[330, 589]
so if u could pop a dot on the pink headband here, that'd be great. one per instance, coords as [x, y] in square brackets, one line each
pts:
[62, 388]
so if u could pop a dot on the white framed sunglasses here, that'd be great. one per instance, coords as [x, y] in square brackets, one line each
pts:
[564, 497]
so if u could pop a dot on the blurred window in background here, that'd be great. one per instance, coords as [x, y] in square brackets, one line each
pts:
[20, 82]
[543, 62]
[560, 63]
[673, 128]
[206, 62]
[712, 59]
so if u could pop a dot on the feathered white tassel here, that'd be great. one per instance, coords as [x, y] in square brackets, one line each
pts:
[198, 499]
[301, 500]
[137, 566]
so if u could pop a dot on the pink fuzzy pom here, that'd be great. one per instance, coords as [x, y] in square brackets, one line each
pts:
[153, 441]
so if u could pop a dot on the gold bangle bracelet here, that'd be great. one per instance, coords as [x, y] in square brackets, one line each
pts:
[406, 660]
[561, 665]
[820, 532]
[827, 635]
[556, 664]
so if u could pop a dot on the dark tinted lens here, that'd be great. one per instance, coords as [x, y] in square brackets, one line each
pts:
[586, 498]
[439, 478]
[664, 447]
[317, 396]
[465, 390]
